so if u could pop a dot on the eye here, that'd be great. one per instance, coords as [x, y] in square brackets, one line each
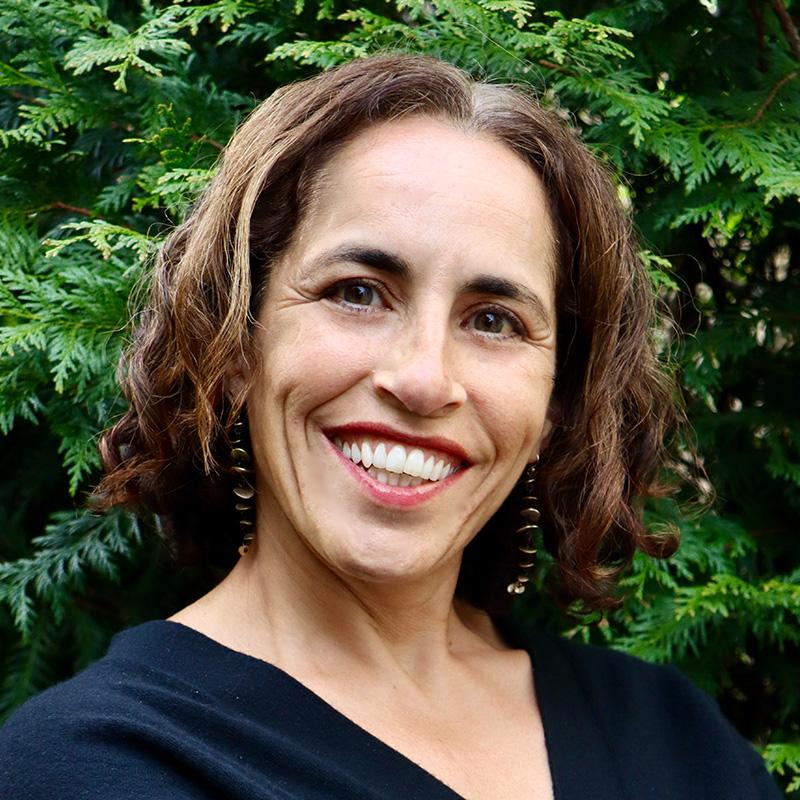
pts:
[359, 293]
[497, 322]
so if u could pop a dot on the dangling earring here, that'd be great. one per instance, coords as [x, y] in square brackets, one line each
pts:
[243, 491]
[526, 534]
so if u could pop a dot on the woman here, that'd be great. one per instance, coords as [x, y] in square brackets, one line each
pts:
[401, 293]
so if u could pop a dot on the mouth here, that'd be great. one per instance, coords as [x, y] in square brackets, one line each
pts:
[394, 463]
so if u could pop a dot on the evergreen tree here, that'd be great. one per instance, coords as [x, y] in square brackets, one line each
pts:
[112, 116]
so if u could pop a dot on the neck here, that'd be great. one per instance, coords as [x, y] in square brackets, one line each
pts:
[281, 603]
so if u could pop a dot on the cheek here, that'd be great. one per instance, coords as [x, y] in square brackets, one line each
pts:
[513, 400]
[307, 360]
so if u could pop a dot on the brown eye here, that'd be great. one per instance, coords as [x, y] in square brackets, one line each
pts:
[359, 294]
[489, 322]
[496, 323]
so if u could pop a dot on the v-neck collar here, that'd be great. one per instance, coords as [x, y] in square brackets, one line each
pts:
[579, 745]
[574, 738]
[271, 693]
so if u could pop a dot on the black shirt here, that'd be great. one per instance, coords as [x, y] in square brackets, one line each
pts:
[170, 713]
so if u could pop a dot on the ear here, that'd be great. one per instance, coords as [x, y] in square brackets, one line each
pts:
[550, 423]
[235, 379]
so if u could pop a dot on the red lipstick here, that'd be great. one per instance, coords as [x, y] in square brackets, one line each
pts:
[378, 430]
[403, 496]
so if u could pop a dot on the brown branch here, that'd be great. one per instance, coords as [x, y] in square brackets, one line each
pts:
[552, 65]
[59, 206]
[765, 105]
[207, 140]
[788, 27]
[34, 100]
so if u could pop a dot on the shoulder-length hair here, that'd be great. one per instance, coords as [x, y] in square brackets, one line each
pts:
[614, 402]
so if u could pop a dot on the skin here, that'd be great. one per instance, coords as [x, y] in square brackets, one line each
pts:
[352, 596]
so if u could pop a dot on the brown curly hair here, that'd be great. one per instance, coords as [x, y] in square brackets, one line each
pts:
[614, 401]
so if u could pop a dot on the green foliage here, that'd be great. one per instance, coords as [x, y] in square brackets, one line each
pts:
[70, 546]
[784, 759]
[112, 116]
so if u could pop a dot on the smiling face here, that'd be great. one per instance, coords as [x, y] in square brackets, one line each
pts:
[407, 344]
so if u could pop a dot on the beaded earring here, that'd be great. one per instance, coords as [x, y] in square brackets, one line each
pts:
[243, 492]
[525, 535]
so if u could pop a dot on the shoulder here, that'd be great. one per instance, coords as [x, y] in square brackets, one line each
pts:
[664, 736]
[88, 736]
[609, 680]
[42, 742]
[625, 685]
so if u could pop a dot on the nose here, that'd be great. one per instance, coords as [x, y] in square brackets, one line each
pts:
[417, 374]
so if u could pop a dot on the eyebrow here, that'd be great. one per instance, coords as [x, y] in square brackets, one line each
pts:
[371, 256]
[395, 265]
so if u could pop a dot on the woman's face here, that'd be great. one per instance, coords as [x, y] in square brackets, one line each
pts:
[408, 350]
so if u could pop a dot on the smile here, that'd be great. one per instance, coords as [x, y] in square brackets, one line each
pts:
[394, 464]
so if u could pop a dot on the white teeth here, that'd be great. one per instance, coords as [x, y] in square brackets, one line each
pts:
[408, 468]
[378, 474]
[366, 455]
[379, 456]
[414, 463]
[393, 479]
[396, 459]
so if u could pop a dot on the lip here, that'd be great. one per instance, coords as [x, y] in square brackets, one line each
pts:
[402, 496]
[379, 430]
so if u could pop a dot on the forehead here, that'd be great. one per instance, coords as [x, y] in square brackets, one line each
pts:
[421, 181]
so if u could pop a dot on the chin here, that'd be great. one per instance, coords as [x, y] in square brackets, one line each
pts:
[381, 561]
